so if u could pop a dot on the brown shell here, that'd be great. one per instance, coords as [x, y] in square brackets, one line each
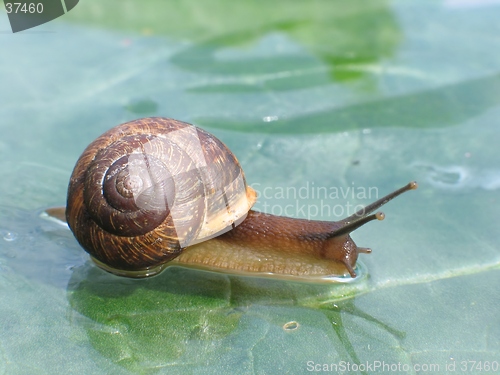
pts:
[146, 189]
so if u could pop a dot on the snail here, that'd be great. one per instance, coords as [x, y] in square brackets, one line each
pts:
[156, 192]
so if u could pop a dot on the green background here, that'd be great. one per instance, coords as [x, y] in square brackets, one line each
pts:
[306, 93]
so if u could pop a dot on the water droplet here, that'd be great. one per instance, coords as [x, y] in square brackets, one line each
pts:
[291, 326]
[269, 118]
[9, 236]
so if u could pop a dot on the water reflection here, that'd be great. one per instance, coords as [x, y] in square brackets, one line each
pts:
[182, 317]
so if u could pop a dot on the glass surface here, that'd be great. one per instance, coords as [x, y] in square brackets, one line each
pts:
[327, 105]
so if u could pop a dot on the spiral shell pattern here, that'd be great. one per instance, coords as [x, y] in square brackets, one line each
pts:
[146, 189]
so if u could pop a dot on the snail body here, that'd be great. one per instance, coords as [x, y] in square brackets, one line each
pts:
[155, 192]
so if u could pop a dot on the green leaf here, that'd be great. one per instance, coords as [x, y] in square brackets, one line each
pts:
[327, 105]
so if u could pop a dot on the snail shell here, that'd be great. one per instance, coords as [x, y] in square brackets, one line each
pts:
[145, 190]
